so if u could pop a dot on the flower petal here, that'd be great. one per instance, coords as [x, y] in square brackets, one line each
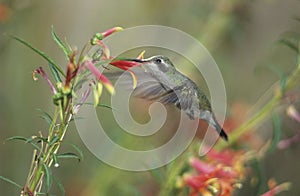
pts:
[100, 77]
[141, 55]
[41, 71]
[202, 166]
[277, 189]
[134, 78]
[100, 36]
[123, 64]
[293, 113]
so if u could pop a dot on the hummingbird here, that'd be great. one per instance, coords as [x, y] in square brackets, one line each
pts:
[172, 87]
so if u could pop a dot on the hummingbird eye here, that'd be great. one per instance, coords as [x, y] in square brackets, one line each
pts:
[158, 61]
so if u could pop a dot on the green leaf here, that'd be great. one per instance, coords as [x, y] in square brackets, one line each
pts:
[54, 72]
[260, 175]
[53, 140]
[48, 194]
[101, 105]
[48, 177]
[26, 140]
[60, 43]
[60, 186]
[289, 44]
[11, 182]
[56, 164]
[276, 132]
[16, 138]
[42, 54]
[68, 155]
[78, 150]
[105, 106]
[283, 80]
[37, 138]
[45, 116]
[290, 39]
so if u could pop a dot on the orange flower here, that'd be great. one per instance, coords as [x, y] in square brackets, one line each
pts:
[127, 64]
[275, 189]
[100, 36]
[100, 77]
[219, 174]
[5, 13]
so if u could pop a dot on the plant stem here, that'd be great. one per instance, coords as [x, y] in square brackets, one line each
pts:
[36, 173]
[265, 112]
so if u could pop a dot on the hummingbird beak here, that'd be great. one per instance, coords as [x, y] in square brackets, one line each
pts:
[136, 60]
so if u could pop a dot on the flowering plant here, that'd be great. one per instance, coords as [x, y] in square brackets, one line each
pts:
[223, 170]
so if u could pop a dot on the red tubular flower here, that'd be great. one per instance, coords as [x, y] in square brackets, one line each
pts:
[108, 32]
[201, 166]
[275, 189]
[100, 77]
[41, 71]
[123, 64]
[219, 174]
[71, 73]
[126, 65]
[99, 36]
[5, 13]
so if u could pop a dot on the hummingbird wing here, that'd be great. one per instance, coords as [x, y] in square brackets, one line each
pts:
[181, 96]
[150, 90]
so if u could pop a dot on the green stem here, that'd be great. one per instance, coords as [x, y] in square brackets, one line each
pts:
[173, 174]
[265, 112]
[254, 121]
[38, 172]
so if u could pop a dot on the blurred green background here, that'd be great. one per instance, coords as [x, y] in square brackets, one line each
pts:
[241, 35]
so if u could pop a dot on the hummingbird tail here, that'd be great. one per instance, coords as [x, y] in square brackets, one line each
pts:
[211, 119]
[223, 135]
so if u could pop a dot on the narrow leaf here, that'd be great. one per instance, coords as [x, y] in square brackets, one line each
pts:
[283, 82]
[11, 182]
[16, 138]
[46, 57]
[26, 140]
[104, 106]
[289, 44]
[56, 164]
[47, 177]
[60, 43]
[260, 177]
[37, 138]
[54, 72]
[48, 194]
[53, 140]
[45, 116]
[68, 155]
[276, 132]
[60, 186]
[78, 150]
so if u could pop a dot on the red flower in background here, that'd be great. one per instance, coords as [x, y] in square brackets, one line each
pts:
[275, 189]
[219, 174]
[5, 13]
